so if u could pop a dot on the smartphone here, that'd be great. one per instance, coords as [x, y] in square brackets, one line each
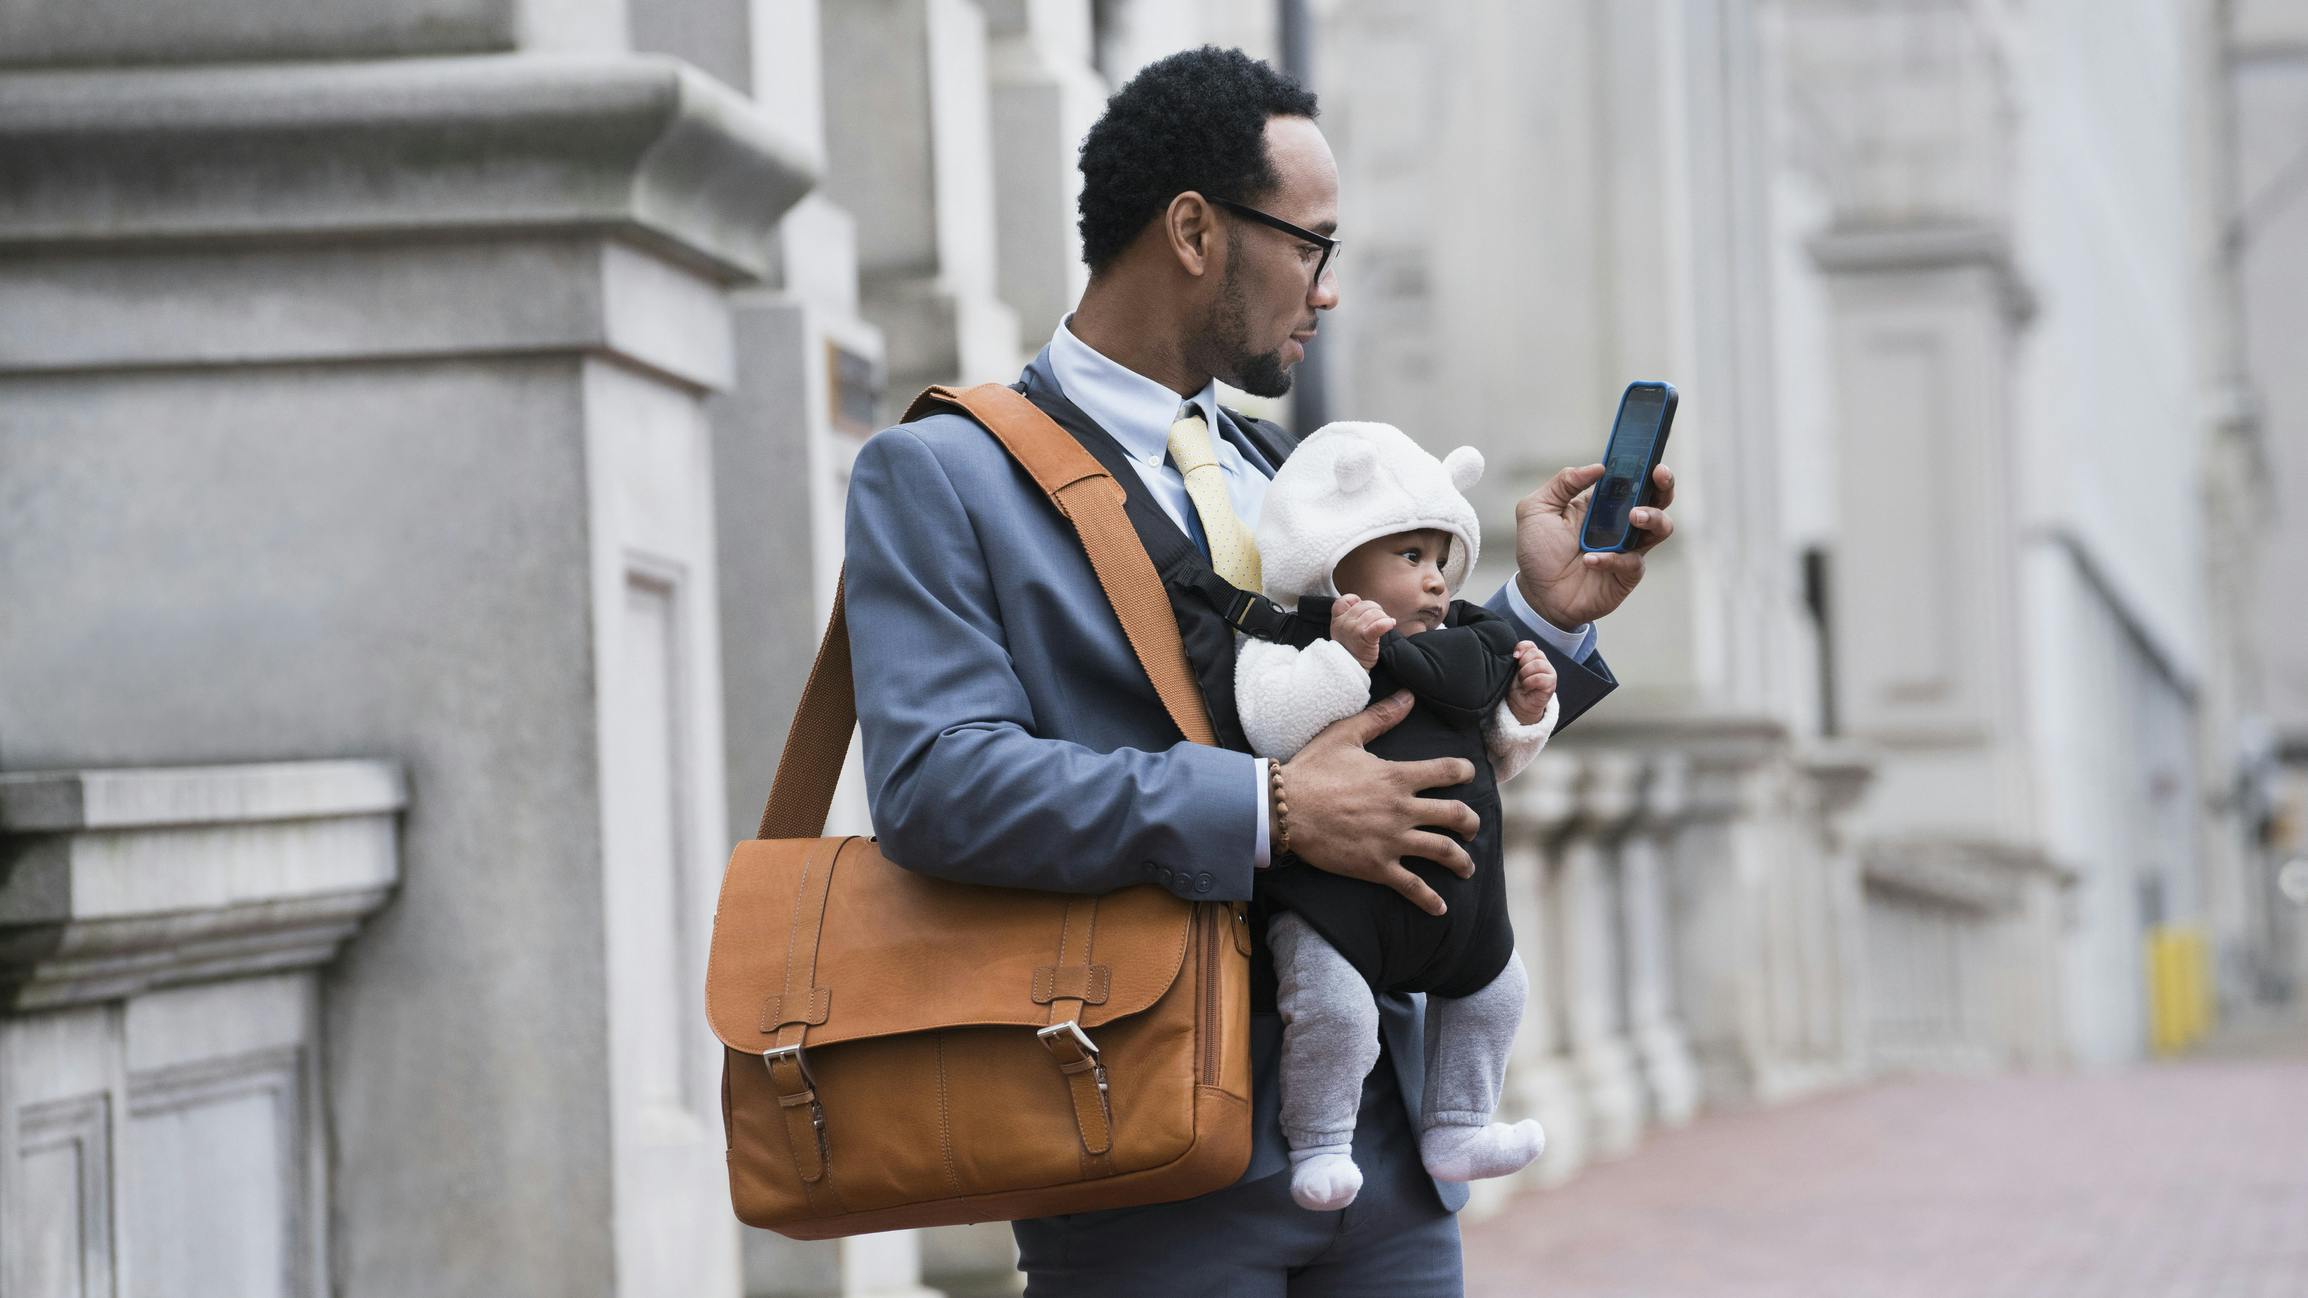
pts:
[1638, 439]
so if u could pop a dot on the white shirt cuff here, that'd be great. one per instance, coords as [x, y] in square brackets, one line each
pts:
[1574, 644]
[1260, 853]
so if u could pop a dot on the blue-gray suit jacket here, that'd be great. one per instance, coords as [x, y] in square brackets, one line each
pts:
[1010, 736]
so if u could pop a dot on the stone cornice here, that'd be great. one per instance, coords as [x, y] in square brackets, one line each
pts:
[1984, 875]
[116, 881]
[1854, 249]
[640, 146]
[148, 797]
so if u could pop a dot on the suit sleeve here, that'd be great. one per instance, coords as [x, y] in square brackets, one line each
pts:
[1286, 696]
[959, 784]
[1579, 685]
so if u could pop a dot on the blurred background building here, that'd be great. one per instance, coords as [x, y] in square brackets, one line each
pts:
[423, 428]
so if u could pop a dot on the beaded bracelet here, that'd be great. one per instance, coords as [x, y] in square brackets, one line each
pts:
[1280, 835]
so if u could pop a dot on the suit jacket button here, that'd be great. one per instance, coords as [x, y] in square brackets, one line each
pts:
[1164, 872]
[1203, 881]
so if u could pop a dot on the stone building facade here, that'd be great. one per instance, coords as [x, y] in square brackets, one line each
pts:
[423, 427]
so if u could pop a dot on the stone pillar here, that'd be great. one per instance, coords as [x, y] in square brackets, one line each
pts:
[164, 1106]
[1587, 918]
[910, 148]
[357, 405]
[1838, 776]
[1046, 96]
[1540, 1082]
[1723, 855]
[1662, 1050]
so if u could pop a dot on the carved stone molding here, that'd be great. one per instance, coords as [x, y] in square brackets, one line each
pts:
[643, 147]
[1977, 875]
[114, 882]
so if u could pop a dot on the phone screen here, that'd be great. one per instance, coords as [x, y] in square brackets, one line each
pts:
[1625, 461]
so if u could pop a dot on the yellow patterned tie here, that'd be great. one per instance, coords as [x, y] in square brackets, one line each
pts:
[1233, 554]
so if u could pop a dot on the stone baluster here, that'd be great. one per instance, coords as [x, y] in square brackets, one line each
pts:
[1586, 912]
[1721, 857]
[1537, 806]
[1839, 775]
[1661, 1049]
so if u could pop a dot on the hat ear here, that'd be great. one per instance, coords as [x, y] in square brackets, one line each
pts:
[1356, 462]
[1465, 465]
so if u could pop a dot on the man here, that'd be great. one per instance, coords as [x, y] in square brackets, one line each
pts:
[1011, 738]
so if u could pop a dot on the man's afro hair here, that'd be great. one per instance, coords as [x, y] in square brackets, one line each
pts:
[1193, 120]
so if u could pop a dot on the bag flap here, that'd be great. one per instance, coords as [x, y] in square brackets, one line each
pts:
[902, 952]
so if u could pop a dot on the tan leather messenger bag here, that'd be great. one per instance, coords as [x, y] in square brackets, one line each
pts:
[906, 1051]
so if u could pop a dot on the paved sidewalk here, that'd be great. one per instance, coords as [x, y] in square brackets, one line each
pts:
[2185, 1180]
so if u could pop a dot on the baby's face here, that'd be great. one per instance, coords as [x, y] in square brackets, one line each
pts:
[1402, 573]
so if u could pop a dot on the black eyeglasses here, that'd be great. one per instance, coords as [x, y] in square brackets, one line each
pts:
[1328, 245]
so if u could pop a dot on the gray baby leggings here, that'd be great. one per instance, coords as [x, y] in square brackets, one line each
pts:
[1330, 1040]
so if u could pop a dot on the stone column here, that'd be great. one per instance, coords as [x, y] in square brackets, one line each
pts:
[1839, 776]
[1540, 1082]
[165, 1114]
[1587, 918]
[1723, 855]
[910, 157]
[357, 405]
[1662, 1050]
[1046, 96]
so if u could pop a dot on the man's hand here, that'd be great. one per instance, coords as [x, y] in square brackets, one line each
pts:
[1359, 815]
[1564, 585]
[1358, 624]
[1534, 685]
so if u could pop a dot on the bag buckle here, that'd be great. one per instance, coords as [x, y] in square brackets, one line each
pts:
[1069, 1033]
[776, 1055]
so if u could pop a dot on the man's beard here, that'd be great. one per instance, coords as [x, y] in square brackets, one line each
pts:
[1261, 374]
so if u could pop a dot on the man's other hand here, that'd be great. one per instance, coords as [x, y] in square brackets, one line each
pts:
[1358, 815]
[1565, 585]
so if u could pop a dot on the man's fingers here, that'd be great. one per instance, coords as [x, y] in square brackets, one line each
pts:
[1447, 813]
[1374, 720]
[1653, 523]
[1413, 887]
[1444, 852]
[1626, 565]
[1555, 497]
[1436, 772]
[1662, 486]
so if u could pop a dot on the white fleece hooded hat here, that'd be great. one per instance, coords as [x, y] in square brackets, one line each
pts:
[1350, 482]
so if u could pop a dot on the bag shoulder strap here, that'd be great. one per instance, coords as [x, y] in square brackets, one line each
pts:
[1091, 501]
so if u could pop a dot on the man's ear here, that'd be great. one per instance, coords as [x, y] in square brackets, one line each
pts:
[1190, 227]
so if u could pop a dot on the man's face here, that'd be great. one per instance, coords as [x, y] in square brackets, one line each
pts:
[1265, 310]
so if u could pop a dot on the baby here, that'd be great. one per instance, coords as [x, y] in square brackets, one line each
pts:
[1364, 535]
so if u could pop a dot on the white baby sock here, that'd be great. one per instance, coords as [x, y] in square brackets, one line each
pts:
[1474, 1152]
[1324, 1178]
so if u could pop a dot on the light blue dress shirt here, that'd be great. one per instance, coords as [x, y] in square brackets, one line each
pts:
[1139, 411]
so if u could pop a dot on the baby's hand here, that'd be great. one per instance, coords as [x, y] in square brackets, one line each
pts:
[1534, 684]
[1358, 623]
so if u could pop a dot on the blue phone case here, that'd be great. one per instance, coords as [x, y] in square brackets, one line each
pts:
[1650, 462]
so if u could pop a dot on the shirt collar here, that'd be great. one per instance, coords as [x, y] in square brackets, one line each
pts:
[1137, 410]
